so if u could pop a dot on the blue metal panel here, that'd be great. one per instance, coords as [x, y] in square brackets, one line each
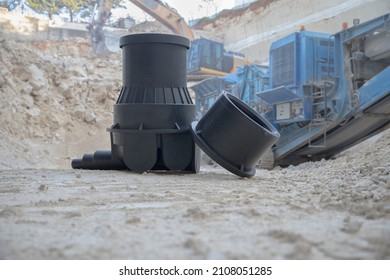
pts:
[244, 84]
[283, 62]
[298, 60]
[278, 95]
[255, 79]
[356, 129]
[193, 56]
[363, 29]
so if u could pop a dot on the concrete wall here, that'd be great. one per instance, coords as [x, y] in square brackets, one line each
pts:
[254, 31]
[18, 26]
[25, 28]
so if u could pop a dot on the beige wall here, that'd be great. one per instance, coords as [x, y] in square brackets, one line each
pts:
[18, 26]
[25, 28]
[254, 31]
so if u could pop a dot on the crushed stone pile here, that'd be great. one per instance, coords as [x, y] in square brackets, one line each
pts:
[50, 89]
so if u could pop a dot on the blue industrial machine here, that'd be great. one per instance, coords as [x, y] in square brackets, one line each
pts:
[301, 70]
[328, 92]
[209, 57]
[245, 83]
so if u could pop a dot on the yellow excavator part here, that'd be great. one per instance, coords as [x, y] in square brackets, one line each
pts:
[166, 16]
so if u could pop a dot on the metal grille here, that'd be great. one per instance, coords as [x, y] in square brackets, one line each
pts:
[283, 65]
[326, 60]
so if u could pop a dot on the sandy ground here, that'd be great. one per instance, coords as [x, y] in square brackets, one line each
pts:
[335, 209]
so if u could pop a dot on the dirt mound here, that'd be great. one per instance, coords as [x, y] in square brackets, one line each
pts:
[232, 15]
[51, 91]
[150, 26]
[56, 101]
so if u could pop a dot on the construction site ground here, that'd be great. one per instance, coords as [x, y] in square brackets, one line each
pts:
[56, 101]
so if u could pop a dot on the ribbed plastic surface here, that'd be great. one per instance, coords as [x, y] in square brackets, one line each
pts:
[154, 111]
[154, 69]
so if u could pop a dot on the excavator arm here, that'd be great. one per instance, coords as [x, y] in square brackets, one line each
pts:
[154, 8]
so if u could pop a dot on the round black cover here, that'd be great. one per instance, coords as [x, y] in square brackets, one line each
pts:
[234, 135]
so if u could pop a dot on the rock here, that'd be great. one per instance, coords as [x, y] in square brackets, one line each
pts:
[90, 68]
[7, 46]
[27, 89]
[65, 90]
[78, 72]
[40, 95]
[9, 81]
[364, 184]
[101, 64]
[2, 81]
[131, 187]
[99, 95]
[106, 85]
[376, 195]
[377, 171]
[43, 188]
[33, 112]
[195, 213]
[3, 73]
[37, 78]
[27, 101]
[89, 117]
[336, 183]
[351, 227]
[112, 95]
[83, 95]
[375, 178]
[9, 212]
[387, 181]
[79, 111]
[22, 73]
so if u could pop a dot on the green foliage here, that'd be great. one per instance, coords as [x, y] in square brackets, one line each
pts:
[54, 7]
[74, 7]
[49, 7]
[10, 4]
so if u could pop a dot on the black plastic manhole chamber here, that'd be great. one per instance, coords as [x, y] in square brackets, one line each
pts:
[153, 115]
[154, 111]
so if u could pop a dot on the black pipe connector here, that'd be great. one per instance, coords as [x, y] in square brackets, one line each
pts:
[234, 135]
[154, 111]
